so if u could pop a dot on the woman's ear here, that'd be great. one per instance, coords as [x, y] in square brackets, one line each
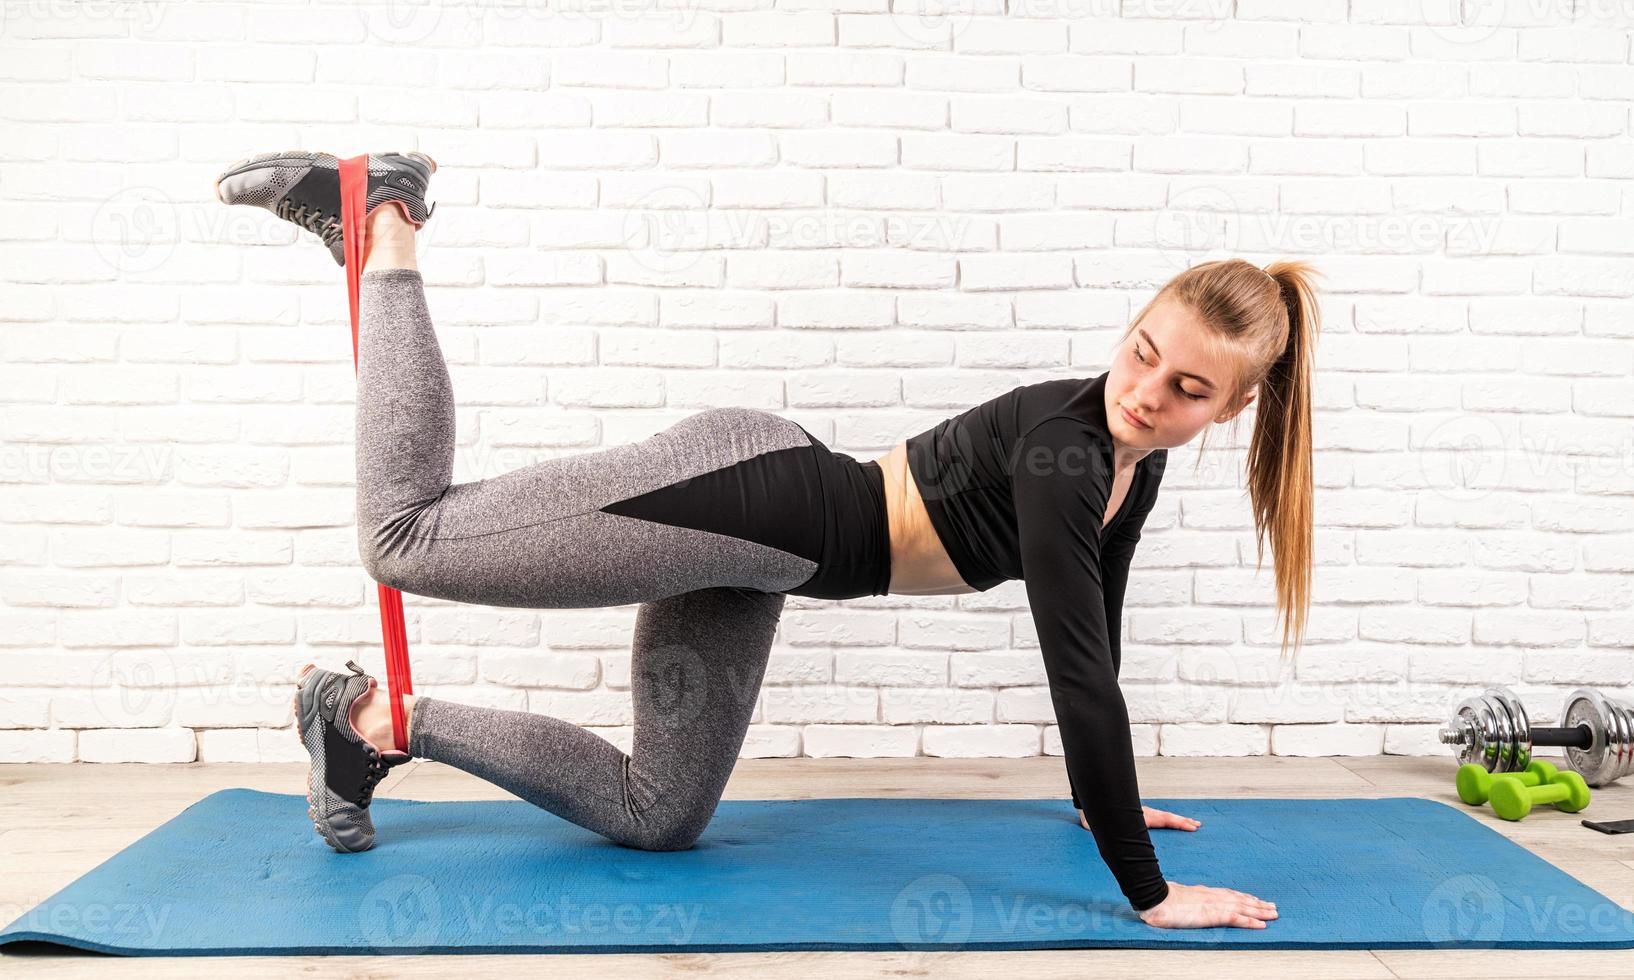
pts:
[1232, 413]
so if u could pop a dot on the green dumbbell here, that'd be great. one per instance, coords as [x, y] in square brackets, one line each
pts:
[1512, 799]
[1475, 783]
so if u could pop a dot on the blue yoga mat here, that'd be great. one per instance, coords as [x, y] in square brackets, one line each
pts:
[241, 872]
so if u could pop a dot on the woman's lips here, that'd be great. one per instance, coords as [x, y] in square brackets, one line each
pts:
[1137, 423]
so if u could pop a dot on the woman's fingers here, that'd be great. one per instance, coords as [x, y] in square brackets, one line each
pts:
[1163, 818]
[1252, 898]
[1248, 911]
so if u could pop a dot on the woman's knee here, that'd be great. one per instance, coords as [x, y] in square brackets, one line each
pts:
[391, 574]
[390, 565]
[667, 827]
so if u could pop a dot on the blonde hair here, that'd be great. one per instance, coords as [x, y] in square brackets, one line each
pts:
[1265, 322]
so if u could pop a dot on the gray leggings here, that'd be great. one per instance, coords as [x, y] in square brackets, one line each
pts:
[537, 538]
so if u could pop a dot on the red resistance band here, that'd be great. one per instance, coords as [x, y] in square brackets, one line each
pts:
[354, 192]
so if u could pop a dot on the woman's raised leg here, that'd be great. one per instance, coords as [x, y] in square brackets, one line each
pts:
[543, 536]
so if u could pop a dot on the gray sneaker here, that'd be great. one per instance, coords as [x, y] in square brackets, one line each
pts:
[304, 188]
[346, 767]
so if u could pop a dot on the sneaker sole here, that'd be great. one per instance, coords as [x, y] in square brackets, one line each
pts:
[296, 156]
[311, 804]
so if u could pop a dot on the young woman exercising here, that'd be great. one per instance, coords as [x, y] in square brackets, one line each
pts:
[712, 522]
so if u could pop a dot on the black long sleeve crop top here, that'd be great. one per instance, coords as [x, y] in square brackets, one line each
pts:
[1017, 488]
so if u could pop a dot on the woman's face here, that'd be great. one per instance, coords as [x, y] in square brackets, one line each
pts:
[1161, 376]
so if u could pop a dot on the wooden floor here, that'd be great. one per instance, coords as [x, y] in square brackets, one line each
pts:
[59, 821]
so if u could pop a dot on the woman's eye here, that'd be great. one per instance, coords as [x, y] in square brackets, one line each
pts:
[1180, 388]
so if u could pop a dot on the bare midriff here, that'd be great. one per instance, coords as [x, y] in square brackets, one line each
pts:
[919, 563]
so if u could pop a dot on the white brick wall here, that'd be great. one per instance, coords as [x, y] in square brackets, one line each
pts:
[866, 221]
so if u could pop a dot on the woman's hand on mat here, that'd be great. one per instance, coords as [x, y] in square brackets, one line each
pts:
[1200, 906]
[1155, 819]
[1163, 819]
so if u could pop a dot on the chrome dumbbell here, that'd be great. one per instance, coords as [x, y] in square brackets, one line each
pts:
[1492, 731]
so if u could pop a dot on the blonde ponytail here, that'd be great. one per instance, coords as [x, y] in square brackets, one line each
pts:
[1280, 483]
[1268, 319]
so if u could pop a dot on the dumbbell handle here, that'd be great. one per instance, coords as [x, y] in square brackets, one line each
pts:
[1548, 792]
[1578, 737]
